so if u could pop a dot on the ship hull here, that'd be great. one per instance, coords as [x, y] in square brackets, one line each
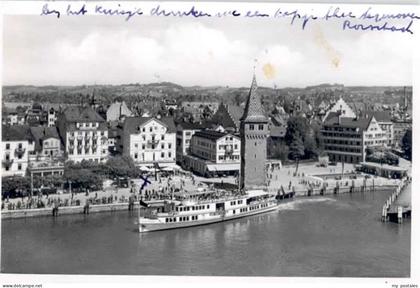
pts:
[150, 227]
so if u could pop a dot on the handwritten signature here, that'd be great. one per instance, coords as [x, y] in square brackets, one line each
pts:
[366, 21]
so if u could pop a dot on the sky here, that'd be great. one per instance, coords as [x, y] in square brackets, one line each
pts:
[99, 50]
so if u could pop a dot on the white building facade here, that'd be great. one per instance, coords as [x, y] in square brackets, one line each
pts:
[16, 146]
[84, 134]
[150, 141]
[214, 153]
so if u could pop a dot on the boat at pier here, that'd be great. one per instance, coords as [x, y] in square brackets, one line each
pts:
[189, 212]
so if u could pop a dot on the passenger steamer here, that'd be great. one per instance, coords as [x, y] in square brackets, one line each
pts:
[187, 213]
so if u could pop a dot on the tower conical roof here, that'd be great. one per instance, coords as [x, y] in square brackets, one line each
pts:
[254, 111]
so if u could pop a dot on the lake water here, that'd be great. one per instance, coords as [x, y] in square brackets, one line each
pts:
[340, 236]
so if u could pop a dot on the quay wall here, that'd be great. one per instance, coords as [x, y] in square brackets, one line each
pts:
[64, 210]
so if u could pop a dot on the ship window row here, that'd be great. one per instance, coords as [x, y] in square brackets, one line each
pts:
[181, 219]
[193, 208]
[236, 202]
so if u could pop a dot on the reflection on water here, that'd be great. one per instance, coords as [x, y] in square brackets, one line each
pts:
[324, 236]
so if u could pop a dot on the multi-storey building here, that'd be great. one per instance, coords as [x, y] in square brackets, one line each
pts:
[214, 153]
[184, 133]
[346, 139]
[11, 117]
[47, 142]
[384, 121]
[84, 134]
[16, 145]
[51, 117]
[149, 141]
[254, 133]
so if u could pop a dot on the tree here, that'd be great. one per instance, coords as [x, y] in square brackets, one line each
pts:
[310, 149]
[407, 143]
[296, 127]
[121, 166]
[296, 150]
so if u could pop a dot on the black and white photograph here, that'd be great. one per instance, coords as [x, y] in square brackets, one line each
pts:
[151, 139]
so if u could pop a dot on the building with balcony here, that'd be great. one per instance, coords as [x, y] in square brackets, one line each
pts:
[83, 133]
[346, 139]
[51, 117]
[149, 141]
[184, 133]
[214, 153]
[16, 145]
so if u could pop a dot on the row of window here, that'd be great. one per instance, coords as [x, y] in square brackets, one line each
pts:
[224, 147]
[86, 151]
[375, 142]
[233, 157]
[7, 168]
[154, 138]
[162, 146]
[252, 127]
[151, 128]
[342, 142]
[181, 219]
[80, 142]
[192, 208]
[20, 146]
[341, 129]
[204, 144]
[87, 125]
[162, 155]
[80, 133]
[238, 202]
[341, 135]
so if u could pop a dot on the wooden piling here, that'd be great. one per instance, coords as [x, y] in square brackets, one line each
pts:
[400, 215]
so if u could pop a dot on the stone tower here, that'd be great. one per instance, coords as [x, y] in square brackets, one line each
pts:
[254, 132]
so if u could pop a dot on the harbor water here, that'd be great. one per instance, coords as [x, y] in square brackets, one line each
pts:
[336, 235]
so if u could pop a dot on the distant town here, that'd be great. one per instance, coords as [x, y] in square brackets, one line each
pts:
[86, 138]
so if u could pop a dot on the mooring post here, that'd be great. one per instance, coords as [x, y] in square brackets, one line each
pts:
[384, 213]
[400, 215]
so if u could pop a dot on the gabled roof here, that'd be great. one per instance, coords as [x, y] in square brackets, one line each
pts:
[131, 124]
[190, 126]
[227, 116]
[15, 133]
[81, 114]
[211, 134]
[42, 133]
[348, 122]
[380, 116]
[254, 111]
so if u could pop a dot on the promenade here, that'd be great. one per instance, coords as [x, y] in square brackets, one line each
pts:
[310, 177]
